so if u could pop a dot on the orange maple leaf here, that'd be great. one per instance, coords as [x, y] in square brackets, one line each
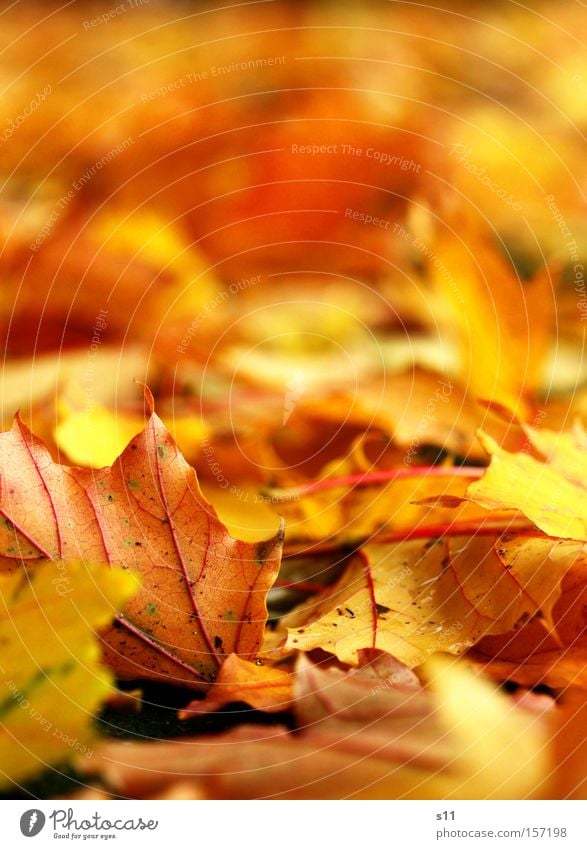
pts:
[203, 592]
[261, 687]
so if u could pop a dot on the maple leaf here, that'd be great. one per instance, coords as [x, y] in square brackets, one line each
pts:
[202, 593]
[532, 656]
[261, 687]
[413, 599]
[51, 682]
[367, 733]
[548, 488]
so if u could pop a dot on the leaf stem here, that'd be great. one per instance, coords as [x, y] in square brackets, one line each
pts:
[374, 478]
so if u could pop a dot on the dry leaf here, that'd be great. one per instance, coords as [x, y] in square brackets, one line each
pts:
[549, 490]
[361, 736]
[203, 592]
[261, 687]
[535, 656]
[414, 599]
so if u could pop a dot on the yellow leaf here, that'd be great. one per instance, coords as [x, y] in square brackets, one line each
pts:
[414, 599]
[95, 436]
[550, 492]
[51, 680]
[246, 515]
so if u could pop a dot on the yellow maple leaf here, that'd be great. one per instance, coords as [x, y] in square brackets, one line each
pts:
[549, 490]
[415, 599]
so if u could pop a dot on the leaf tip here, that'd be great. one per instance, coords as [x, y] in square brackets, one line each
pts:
[148, 395]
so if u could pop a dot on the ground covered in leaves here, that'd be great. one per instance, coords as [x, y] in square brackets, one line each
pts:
[293, 458]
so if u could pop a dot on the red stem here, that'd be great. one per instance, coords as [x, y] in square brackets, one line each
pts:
[380, 476]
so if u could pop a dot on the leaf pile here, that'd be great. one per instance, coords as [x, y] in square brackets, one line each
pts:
[346, 556]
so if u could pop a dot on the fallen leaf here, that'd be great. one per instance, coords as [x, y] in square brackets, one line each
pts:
[549, 489]
[246, 514]
[364, 506]
[94, 435]
[416, 598]
[261, 687]
[360, 736]
[51, 680]
[203, 593]
[533, 655]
